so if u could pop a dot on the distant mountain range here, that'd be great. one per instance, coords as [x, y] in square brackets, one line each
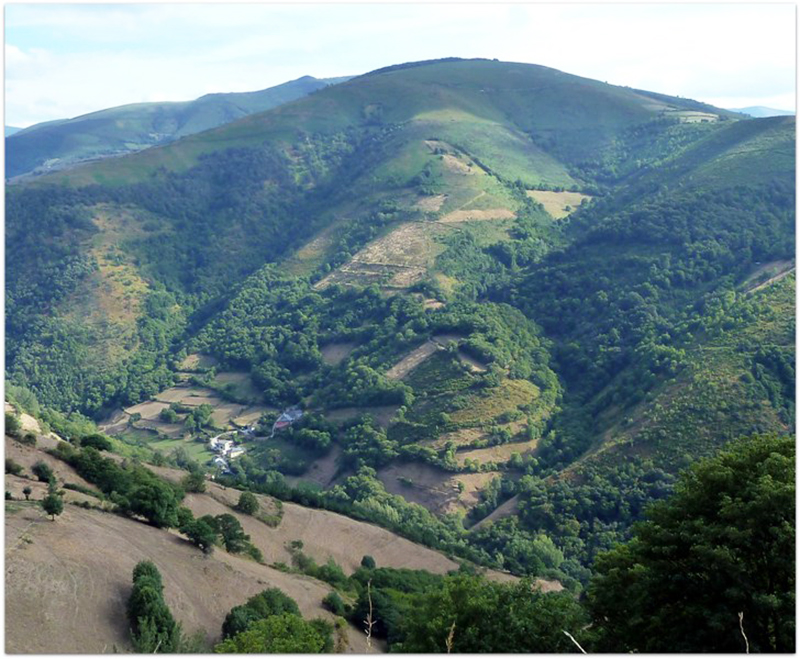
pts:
[54, 145]
[759, 112]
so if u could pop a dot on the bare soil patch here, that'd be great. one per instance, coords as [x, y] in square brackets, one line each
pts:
[433, 488]
[190, 396]
[558, 204]
[149, 409]
[431, 303]
[336, 353]
[413, 359]
[767, 274]
[478, 215]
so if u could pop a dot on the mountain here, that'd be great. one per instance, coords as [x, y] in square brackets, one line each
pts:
[10, 130]
[511, 303]
[759, 111]
[116, 131]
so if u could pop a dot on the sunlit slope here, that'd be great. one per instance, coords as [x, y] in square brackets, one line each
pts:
[510, 114]
[116, 131]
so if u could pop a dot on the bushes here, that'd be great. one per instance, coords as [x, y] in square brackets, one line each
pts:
[248, 504]
[12, 467]
[42, 471]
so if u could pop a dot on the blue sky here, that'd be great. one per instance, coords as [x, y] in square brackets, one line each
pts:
[63, 60]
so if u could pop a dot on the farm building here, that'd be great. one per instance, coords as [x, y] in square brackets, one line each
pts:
[287, 418]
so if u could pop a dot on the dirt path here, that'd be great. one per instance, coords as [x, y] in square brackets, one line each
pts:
[769, 281]
[413, 359]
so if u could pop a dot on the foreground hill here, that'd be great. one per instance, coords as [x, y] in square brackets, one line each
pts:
[55, 145]
[82, 562]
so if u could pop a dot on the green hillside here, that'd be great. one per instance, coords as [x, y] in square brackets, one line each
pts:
[508, 299]
[54, 145]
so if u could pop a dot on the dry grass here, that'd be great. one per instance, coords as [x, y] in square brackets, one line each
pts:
[196, 362]
[558, 204]
[478, 215]
[430, 204]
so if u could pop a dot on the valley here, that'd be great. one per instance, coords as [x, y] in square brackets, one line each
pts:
[463, 316]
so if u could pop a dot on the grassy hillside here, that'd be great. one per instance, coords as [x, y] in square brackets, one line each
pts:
[484, 282]
[56, 145]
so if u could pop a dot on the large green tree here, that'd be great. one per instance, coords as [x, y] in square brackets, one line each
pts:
[471, 614]
[721, 546]
[281, 634]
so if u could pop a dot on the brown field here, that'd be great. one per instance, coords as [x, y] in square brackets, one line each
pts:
[149, 410]
[382, 414]
[413, 359]
[433, 488]
[558, 204]
[196, 362]
[252, 414]
[398, 259]
[67, 581]
[190, 396]
[336, 353]
[497, 454]
[478, 215]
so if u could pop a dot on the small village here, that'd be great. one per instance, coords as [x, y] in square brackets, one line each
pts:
[227, 445]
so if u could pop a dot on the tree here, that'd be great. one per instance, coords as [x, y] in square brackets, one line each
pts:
[485, 616]
[13, 467]
[194, 482]
[368, 562]
[334, 603]
[155, 501]
[27, 492]
[96, 440]
[269, 602]
[723, 544]
[233, 536]
[42, 471]
[248, 503]
[13, 426]
[278, 634]
[53, 503]
[153, 629]
[201, 534]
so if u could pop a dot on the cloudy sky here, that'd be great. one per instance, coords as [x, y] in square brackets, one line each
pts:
[64, 60]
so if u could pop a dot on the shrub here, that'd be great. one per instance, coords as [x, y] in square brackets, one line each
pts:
[42, 471]
[13, 467]
[248, 503]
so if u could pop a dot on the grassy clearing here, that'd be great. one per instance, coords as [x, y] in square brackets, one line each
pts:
[509, 396]
[558, 204]
[335, 353]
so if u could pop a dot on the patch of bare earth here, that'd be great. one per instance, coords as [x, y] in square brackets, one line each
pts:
[431, 303]
[413, 359]
[767, 274]
[474, 365]
[335, 353]
[478, 215]
[558, 204]
[433, 488]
